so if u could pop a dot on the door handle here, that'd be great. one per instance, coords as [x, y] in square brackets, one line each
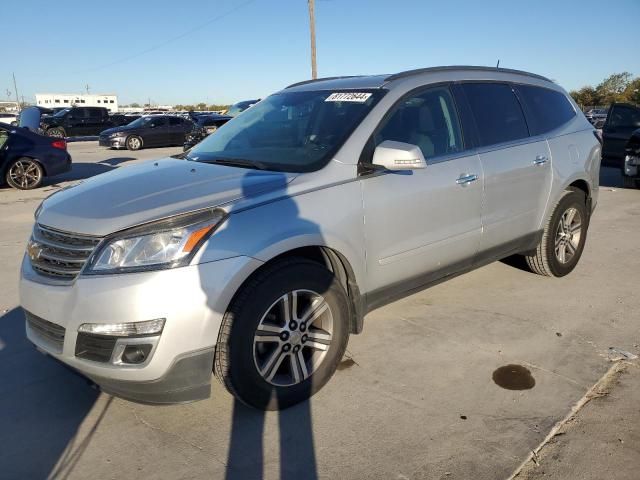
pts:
[465, 180]
[540, 160]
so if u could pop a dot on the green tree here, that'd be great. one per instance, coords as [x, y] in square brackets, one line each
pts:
[612, 88]
[201, 106]
[586, 96]
[632, 92]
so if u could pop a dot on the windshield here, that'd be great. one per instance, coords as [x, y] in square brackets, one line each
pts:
[143, 121]
[61, 113]
[240, 107]
[289, 131]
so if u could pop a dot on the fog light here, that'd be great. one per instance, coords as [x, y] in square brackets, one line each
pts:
[132, 329]
[135, 354]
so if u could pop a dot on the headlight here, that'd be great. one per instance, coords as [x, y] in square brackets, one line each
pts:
[165, 244]
[117, 134]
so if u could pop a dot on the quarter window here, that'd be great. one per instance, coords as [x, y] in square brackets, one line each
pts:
[428, 120]
[497, 112]
[546, 109]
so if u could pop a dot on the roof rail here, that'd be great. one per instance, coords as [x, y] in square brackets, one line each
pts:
[410, 73]
[320, 80]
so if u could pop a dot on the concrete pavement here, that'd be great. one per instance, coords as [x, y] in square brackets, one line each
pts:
[414, 398]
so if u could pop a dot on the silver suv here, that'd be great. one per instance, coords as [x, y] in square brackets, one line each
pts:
[258, 252]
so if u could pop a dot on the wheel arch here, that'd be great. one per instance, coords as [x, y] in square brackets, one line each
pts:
[336, 263]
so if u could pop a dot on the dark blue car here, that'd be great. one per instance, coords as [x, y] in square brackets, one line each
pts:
[27, 157]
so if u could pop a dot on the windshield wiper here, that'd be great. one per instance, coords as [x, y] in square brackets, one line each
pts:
[239, 162]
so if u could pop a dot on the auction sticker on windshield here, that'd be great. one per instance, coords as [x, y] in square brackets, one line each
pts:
[357, 97]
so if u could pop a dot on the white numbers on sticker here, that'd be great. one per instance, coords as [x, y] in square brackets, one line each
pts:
[357, 97]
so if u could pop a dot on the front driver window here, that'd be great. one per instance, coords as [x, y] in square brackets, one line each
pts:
[428, 120]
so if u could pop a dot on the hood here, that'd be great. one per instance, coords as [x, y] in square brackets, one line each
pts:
[129, 196]
[122, 128]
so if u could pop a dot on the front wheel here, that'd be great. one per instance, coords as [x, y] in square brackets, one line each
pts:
[134, 142]
[563, 239]
[283, 336]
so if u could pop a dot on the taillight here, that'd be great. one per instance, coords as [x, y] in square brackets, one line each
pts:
[598, 135]
[61, 144]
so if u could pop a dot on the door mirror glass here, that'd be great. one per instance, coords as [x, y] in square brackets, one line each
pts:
[393, 155]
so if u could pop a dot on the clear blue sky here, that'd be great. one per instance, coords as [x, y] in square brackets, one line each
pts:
[143, 48]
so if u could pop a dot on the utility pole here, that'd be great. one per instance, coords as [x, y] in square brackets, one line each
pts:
[312, 24]
[15, 87]
[86, 87]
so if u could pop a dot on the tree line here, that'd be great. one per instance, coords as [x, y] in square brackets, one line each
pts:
[196, 107]
[619, 87]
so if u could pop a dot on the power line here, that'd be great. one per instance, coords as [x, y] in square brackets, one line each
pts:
[170, 40]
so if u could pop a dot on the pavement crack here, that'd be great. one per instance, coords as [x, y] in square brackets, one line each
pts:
[162, 430]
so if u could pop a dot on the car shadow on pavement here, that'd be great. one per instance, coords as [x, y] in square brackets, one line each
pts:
[42, 405]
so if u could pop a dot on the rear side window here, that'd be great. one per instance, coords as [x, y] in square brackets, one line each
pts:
[175, 121]
[497, 112]
[625, 117]
[546, 109]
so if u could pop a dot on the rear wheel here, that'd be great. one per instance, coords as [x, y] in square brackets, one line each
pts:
[24, 174]
[630, 182]
[134, 142]
[563, 239]
[283, 336]
[56, 132]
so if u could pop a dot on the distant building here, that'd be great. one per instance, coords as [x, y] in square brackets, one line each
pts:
[54, 100]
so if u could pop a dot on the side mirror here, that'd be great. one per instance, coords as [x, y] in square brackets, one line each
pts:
[398, 156]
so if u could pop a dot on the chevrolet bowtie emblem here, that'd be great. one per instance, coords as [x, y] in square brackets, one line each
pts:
[34, 250]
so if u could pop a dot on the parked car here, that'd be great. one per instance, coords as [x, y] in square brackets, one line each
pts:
[26, 158]
[9, 118]
[622, 121]
[203, 125]
[240, 107]
[631, 162]
[260, 251]
[148, 131]
[119, 119]
[596, 115]
[76, 121]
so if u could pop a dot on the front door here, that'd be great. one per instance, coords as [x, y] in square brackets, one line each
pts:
[422, 224]
[621, 123]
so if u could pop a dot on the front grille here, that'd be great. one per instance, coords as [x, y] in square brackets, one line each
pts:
[50, 334]
[94, 347]
[57, 254]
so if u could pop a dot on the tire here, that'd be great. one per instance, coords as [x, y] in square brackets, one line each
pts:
[629, 182]
[243, 357]
[57, 132]
[552, 262]
[24, 174]
[134, 142]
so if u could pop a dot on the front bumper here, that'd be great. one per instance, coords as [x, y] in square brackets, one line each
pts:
[631, 165]
[111, 142]
[190, 300]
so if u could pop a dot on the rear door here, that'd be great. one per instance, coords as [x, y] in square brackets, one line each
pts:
[517, 167]
[422, 224]
[621, 122]
[75, 122]
[156, 133]
[96, 121]
[176, 131]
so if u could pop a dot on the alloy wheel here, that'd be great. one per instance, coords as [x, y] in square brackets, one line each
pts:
[568, 235]
[25, 173]
[293, 337]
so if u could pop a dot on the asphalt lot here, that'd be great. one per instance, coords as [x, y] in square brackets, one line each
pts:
[415, 399]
